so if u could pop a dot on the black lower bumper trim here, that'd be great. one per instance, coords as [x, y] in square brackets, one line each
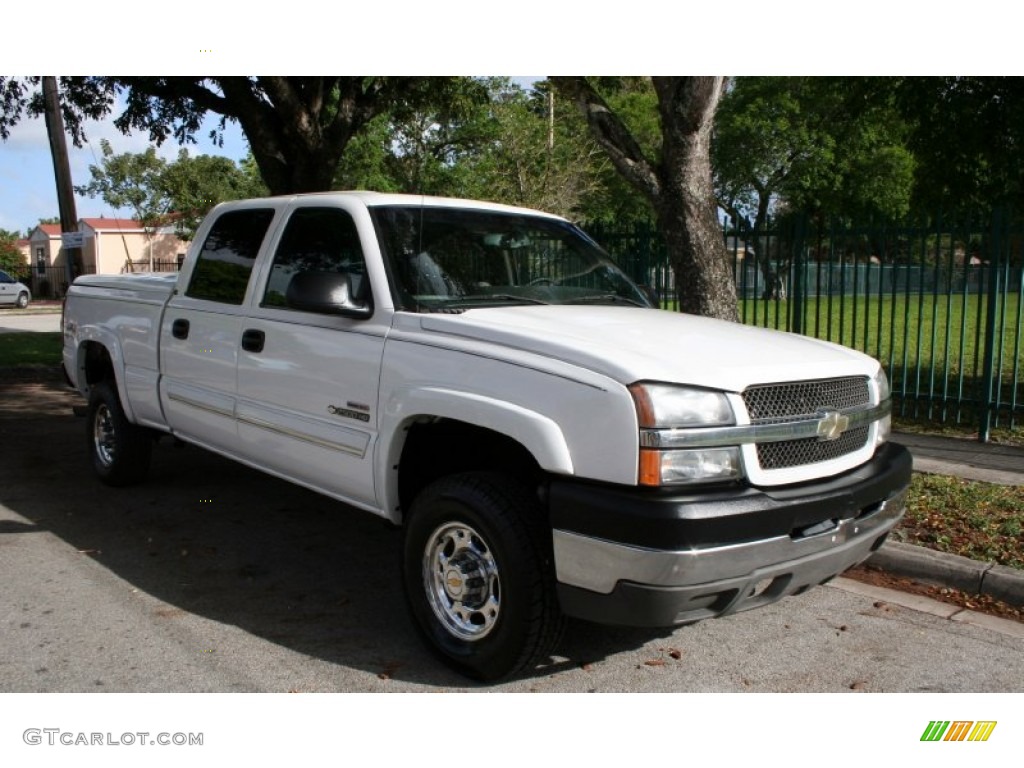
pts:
[674, 520]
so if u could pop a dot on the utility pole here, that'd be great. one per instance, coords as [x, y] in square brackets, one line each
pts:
[61, 170]
[551, 119]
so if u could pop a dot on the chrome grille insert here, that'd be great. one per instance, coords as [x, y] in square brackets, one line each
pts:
[773, 403]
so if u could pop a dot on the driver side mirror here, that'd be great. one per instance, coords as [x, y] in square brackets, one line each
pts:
[327, 293]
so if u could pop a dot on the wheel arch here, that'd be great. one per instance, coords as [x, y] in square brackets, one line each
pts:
[446, 432]
[99, 358]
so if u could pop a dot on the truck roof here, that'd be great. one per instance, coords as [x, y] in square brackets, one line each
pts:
[379, 199]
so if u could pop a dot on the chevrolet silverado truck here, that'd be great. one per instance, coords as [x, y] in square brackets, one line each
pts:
[486, 378]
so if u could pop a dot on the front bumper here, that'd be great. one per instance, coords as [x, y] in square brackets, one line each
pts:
[630, 556]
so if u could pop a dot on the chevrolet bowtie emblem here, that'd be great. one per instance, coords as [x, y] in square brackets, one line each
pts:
[832, 425]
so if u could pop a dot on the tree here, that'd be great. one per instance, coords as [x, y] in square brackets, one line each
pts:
[193, 185]
[967, 134]
[11, 259]
[297, 127]
[677, 182]
[129, 180]
[420, 146]
[488, 139]
[540, 153]
[823, 146]
[160, 193]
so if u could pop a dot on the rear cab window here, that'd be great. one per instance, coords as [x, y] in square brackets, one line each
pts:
[224, 264]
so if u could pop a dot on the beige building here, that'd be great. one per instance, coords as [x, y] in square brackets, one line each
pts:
[44, 246]
[111, 246]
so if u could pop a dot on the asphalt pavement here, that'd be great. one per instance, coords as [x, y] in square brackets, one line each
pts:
[214, 577]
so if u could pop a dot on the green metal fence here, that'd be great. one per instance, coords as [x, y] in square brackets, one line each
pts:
[939, 303]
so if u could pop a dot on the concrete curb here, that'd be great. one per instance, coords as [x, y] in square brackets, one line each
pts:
[950, 469]
[945, 570]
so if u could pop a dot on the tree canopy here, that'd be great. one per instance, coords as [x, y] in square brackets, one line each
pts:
[297, 127]
[11, 259]
[967, 135]
[610, 149]
[811, 143]
[162, 193]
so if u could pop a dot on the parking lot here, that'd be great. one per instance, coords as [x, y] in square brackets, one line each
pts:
[213, 577]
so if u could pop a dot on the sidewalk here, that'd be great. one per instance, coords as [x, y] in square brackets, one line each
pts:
[970, 460]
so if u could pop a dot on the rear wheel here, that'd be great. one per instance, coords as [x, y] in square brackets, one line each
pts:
[120, 451]
[479, 575]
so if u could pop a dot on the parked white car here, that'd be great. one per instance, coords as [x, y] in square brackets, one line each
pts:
[13, 292]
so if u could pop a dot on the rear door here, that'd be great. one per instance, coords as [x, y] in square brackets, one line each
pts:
[201, 332]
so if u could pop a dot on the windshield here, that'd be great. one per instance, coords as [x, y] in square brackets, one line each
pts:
[452, 259]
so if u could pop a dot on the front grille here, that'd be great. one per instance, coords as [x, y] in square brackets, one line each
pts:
[795, 453]
[772, 403]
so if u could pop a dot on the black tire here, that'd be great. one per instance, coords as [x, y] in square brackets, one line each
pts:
[120, 451]
[479, 575]
[22, 300]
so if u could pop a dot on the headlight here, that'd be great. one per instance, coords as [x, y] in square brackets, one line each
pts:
[661, 406]
[664, 406]
[882, 388]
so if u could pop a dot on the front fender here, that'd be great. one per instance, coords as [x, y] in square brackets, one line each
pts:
[537, 433]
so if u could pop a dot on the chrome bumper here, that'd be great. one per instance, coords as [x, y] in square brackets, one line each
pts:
[598, 566]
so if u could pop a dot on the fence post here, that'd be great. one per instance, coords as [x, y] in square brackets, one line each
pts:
[988, 376]
[799, 275]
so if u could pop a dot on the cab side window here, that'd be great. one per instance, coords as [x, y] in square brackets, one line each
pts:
[225, 262]
[317, 241]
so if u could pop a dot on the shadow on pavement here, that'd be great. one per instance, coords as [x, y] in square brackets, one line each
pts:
[216, 539]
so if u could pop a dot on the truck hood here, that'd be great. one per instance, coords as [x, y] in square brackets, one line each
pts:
[631, 344]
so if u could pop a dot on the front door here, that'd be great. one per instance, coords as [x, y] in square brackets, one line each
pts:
[307, 380]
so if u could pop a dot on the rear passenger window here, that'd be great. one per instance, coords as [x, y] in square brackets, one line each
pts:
[225, 262]
[317, 240]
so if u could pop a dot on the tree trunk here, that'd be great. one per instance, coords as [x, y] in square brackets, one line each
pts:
[679, 187]
[773, 286]
[686, 209]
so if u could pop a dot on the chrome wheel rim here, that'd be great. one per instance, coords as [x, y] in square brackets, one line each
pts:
[103, 435]
[460, 576]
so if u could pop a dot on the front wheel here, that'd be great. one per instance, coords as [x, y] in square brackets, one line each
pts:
[22, 300]
[479, 575]
[120, 451]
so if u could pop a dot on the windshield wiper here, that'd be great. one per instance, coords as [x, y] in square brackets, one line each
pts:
[486, 297]
[614, 298]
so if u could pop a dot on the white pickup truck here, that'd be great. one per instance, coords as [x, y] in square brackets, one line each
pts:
[486, 378]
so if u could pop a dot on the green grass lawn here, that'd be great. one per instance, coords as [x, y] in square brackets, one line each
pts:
[30, 349]
[977, 520]
[944, 334]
